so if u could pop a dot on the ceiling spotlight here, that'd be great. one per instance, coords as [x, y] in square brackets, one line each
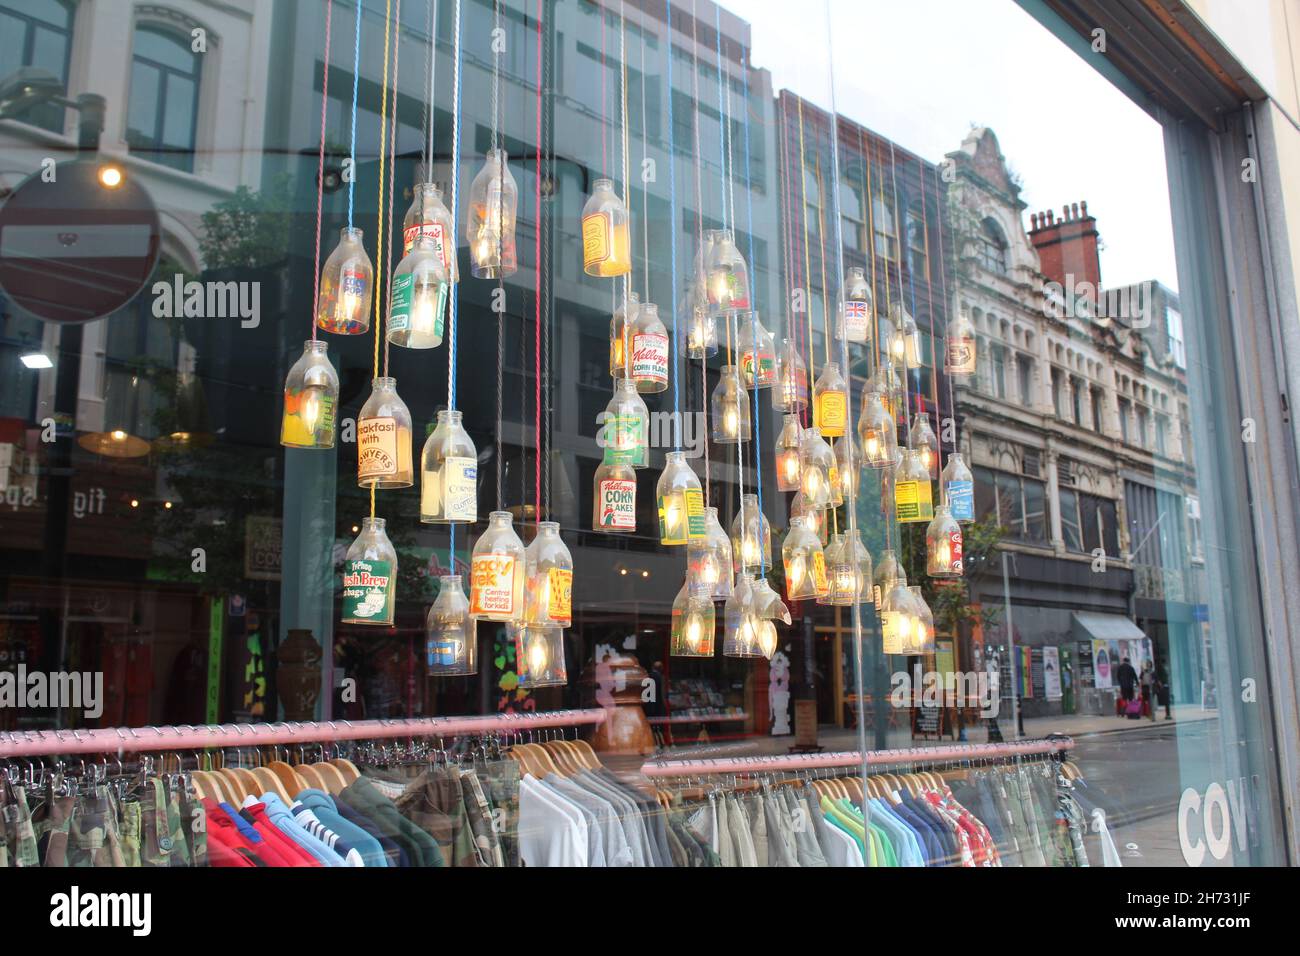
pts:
[110, 176]
[36, 360]
[135, 502]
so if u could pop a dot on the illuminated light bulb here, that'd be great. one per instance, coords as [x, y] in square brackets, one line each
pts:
[787, 454]
[119, 435]
[766, 638]
[619, 326]
[539, 655]
[795, 574]
[731, 416]
[693, 633]
[311, 409]
[311, 392]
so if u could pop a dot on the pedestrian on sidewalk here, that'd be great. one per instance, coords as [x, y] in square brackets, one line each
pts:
[1163, 695]
[1147, 683]
[1126, 677]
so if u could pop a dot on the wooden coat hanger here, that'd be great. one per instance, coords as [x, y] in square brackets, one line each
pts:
[311, 778]
[270, 783]
[334, 782]
[290, 779]
[347, 768]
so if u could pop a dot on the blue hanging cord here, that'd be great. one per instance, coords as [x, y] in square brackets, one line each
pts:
[356, 77]
[753, 311]
[672, 201]
[455, 249]
[722, 117]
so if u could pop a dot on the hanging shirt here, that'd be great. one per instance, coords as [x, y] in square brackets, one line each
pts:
[551, 832]
[279, 814]
[315, 807]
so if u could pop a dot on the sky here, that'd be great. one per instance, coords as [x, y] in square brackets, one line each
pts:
[923, 72]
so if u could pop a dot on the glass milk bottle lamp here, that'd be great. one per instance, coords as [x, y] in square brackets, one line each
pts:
[614, 494]
[831, 401]
[680, 501]
[450, 645]
[428, 216]
[768, 609]
[370, 576]
[960, 351]
[624, 430]
[731, 422]
[549, 587]
[694, 623]
[727, 276]
[740, 623]
[497, 568]
[958, 489]
[490, 219]
[788, 467]
[817, 462]
[925, 443]
[834, 557]
[757, 352]
[417, 304]
[619, 329]
[847, 463]
[855, 307]
[539, 656]
[449, 473]
[648, 350]
[791, 391]
[751, 536]
[804, 561]
[721, 562]
[883, 579]
[606, 233]
[346, 286]
[311, 395]
[943, 557]
[384, 439]
[877, 432]
[799, 508]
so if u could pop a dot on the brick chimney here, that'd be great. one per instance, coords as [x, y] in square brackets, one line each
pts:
[1067, 246]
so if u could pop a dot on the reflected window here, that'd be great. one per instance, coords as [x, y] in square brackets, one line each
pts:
[37, 33]
[164, 101]
[853, 214]
[918, 260]
[885, 227]
[991, 247]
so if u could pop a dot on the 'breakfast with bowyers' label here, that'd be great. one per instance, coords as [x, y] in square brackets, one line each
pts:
[650, 357]
[618, 504]
[493, 589]
[368, 592]
[376, 447]
[451, 493]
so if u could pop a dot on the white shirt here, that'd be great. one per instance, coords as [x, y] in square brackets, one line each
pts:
[551, 831]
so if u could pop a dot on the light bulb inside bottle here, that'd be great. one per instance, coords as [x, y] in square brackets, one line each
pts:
[311, 409]
[749, 549]
[672, 516]
[538, 654]
[694, 631]
[709, 570]
[796, 572]
[945, 554]
[422, 314]
[927, 457]
[767, 638]
[845, 581]
[730, 421]
[812, 483]
[790, 466]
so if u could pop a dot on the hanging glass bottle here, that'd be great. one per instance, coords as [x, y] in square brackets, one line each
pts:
[855, 307]
[925, 443]
[702, 328]
[768, 609]
[614, 493]
[417, 305]
[757, 352]
[548, 590]
[619, 328]
[490, 219]
[817, 517]
[960, 351]
[449, 473]
[850, 573]
[606, 233]
[847, 465]
[497, 569]
[817, 462]
[877, 432]
[450, 645]
[943, 546]
[905, 345]
[788, 468]
[384, 438]
[624, 433]
[728, 276]
[730, 418]
[913, 499]
[539, 656]
[428, 216]
[834, 557]
[804, 561]
[922, 624]
[896, 617]
[886, 380]
[751, 536]
[648, 355]
[346, 286]
[791, 392]
[721, 562]
[740, 623]
[883, 579]
[311, 394]
[958, 489]
[370, 576]
[831, 401]
[680, 502]
[694, 624]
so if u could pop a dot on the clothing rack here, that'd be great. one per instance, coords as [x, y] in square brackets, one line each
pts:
[912, 755]
[40, 743]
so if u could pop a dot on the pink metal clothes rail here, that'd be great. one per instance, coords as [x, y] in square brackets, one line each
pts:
[851, 758]
[39, 743]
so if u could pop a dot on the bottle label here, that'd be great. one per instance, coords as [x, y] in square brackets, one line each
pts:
[955, 563]
[427, 230]
[766, 369]
[623, 438]
[368, 592]
[832, 413]
[819, 574]
[856, 321]
[451, 494]
[352, 282]
[560, 587]
[875, 595]
[960, 356]
[441, 651]
[308, 419]
[595, 238]
[377, 447]
[617, 504]
[493, 585]
[696, 525]
[912, 500]
[961, 499]
[650, 357]
[833, 477]
[891, 628]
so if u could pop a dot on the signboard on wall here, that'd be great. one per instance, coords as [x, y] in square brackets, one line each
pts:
[263, 550]
[1051, 673]
[1103, 665]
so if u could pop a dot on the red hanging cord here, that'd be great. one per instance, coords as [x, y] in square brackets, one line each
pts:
[320, 166]
[537, 276]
